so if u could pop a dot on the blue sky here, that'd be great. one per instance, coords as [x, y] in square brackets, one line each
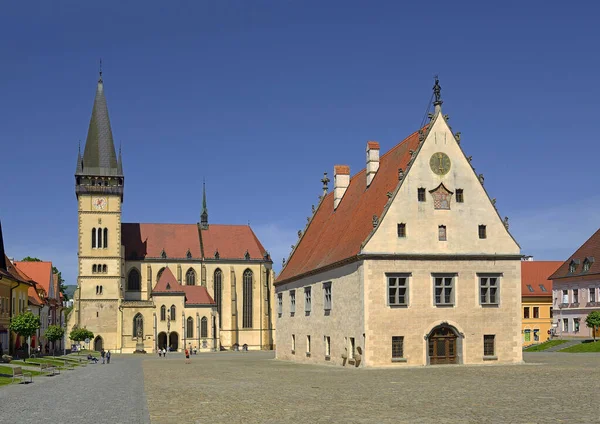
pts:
[262, 97]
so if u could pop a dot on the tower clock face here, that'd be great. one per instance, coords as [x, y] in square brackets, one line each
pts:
[440, 163]
[99, 203]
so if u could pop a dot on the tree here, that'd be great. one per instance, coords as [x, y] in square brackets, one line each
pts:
[80, 334]
[61, 287]
[25, 324]
[593, 321]
[54, 333]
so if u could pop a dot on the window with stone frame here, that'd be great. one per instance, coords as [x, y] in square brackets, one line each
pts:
[307, 300]
[248, 278]
[566, 325]
[279, 304]
[421, 194]
[327, 340]
[292, 302]
[327, 297]
[592, 295]
[308, 345]
[352, 349]
[526, 312]
[576, 296]
[460, 198]
[397, 347]
[442, 236]
[163, 313]
[576, 322]
[190, 328]
[190, 277]
[402, 230]
[489, 345]
[482, 232]
[489, 286]
[443, 286]
[133, 280]
[397, 285]
[441, 197]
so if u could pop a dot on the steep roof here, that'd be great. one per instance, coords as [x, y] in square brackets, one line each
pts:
[535, 274]
[40, 272]
[336, 235]
[149, 241]
[99, 156]
[12, 272]
[590, 250]
[194, 295]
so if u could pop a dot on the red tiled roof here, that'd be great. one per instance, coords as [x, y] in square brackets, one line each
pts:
[13, 272]
[149, 240]
[34, 297]
[232, 242]
[589, 249]
[194, 295]
[333, 236]
[535, 274]
[40, 272]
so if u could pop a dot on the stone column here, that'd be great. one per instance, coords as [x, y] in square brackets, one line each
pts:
[203, 275]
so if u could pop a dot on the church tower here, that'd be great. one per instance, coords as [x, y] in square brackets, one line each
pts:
[99, 184]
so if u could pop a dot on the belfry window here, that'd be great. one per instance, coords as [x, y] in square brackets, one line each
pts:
[106, 238]
[94, 238]
[100, 238]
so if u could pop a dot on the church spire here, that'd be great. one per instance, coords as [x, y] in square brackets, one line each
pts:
[204, 213]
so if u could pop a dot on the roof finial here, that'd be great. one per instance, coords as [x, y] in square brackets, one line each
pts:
[438, 96]
[80, 147]
[100, 72]
[204, 213]
[325, 182]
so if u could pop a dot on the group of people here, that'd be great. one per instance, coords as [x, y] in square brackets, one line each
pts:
[103, 354]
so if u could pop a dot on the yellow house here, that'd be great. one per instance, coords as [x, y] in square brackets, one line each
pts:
[536, 294]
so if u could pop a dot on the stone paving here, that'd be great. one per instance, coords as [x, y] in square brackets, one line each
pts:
[254, 388]
[95, 394]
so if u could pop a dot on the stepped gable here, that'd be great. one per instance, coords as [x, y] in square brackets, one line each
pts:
[334, 236]
[149, 240]
[231, 241]
[591, 250]
[535, 274]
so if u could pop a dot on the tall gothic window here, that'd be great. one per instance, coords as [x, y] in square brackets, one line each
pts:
[163, 313]
[204, 327]
[138, 325]
[159, 273]
[133, 280]
[190, 277]
[93, 238]
[217, 292]
[190, 328]
[99, 238]
[247, 296]
[106, 238]
[172, 312]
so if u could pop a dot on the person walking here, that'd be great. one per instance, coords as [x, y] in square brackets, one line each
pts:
[187, 356]
[103, 354]
[164, 352]
[108, 357]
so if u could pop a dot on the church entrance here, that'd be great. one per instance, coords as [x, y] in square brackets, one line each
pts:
[443, 345]
[98, 344]
[173, 341]
[162, 340]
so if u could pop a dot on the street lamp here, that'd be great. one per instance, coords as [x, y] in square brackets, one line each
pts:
[168, 349]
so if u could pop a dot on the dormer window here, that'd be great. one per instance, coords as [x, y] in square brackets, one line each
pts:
[217, 256]
[163, 254]
[247, 256]
[587, 264]
[530, 288]
[188, 254]
[573, 266]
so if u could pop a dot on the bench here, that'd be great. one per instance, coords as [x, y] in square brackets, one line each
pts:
[49, 369]
[69, 365]
[18, 373]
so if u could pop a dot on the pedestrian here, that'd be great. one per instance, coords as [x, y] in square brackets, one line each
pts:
[187, 356]
[103, 354]
[108, 357]
[164, 352]
[159, 352]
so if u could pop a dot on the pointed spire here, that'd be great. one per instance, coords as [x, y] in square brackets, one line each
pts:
[79, 167]
[438, 96]
[120, 162]
[2, 254]
[99, 157]
[204, 213]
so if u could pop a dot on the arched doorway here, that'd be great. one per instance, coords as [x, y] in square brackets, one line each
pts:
[98, 344]
[444, 345]
[174, 341]
[162, 340]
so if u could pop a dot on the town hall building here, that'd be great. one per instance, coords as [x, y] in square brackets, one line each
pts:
[147, 286]
[407, 262]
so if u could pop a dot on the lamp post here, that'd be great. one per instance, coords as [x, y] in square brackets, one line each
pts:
[168, 348]
[65, 339]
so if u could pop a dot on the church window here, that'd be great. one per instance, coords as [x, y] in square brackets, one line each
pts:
[441, 197]
[138, 325]
[106, 238]
[190, 277]
[94, 268]
[217, 292]
[100, 238]
[190, 328]
[159, 273]
[93, 238]
[163, 313]
[402, 230]
[442, 233]
[247, 296]
[482, 232]
[133, 280]
[104, 269]
[204, 328]
[421, 194]
[172, 312]
[460, 197]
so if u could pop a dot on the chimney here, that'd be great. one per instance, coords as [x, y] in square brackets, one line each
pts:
[372, 160]
[341, 181]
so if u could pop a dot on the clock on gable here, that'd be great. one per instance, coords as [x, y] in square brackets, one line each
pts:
[99, 203]
[440, 163]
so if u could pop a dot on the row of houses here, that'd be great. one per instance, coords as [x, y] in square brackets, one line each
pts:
[28, 287]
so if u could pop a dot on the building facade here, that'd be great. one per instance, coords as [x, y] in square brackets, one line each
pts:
[406, 263]
[223, 274]
[536, 292]
[576, 290]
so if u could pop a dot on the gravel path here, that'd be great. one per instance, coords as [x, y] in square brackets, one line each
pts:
[95, 394]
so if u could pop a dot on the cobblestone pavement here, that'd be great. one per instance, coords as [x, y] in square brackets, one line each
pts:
[254, 388]
[95, 394]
